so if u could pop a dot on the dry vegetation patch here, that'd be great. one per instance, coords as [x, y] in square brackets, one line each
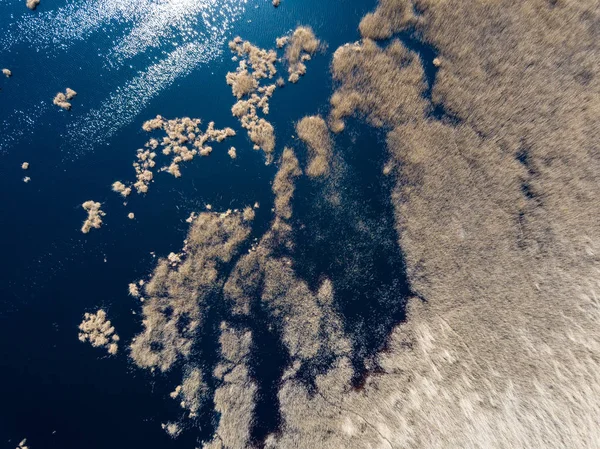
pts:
[390, 17]
[255, 64]
[235, 398]
[284, 185]
[183, 140]
[99, 331]
[176, 293]
[313, 131]
[192, 392]
[63, 100]
[94, 218]
[496, 214]
[383, 84]
[300, 48]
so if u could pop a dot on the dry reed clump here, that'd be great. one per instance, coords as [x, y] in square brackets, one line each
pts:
[261, 62]
[235, 397]
[495, 216]
[94, 218]
[134, 290]
[243, 283]
[248, 214]
[242, 83]
[313, 131]
[183, 141]
[63, 100]
[255, 64]
[310, 327]
[390, 17]
[280, 42]
[121, 188]
[7, 73]
[385, 85]
[262, 134]
[176, 293]
[172, 429]
[25, 165]
[96, 329]
[301, 46]
[174, 259]
[32, 4]
[192, 392]
[284, 184]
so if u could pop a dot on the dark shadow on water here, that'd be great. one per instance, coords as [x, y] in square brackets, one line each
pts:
[267, 364]
[345, 232]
